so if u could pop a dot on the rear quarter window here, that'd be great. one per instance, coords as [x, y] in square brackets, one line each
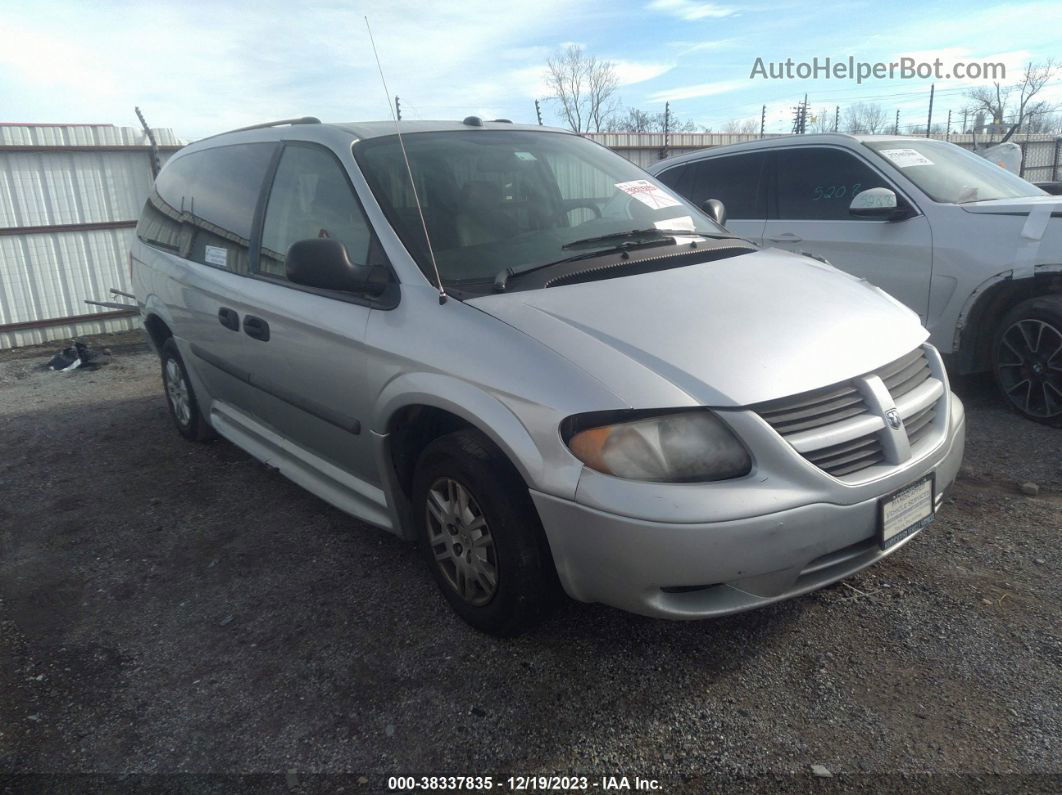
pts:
[202, 205]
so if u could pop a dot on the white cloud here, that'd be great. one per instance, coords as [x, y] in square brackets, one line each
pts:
[699, 90]
[691, 10]
[630, 72]
[203, 68]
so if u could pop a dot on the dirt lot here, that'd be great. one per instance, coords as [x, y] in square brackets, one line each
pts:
[170, 607]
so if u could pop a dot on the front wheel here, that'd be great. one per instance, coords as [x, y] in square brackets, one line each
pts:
[481, 535]
[1027, 359]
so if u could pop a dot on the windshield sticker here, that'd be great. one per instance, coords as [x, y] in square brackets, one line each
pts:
[905, 158]
[648, 194]
[524, 155]
[684, 224]
[216, 255]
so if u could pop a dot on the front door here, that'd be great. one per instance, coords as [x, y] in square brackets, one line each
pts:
[813, 187]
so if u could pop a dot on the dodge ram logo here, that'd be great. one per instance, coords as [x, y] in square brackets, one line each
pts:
[892, 416]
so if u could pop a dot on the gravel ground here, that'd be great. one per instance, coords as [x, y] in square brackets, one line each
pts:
[169, 607]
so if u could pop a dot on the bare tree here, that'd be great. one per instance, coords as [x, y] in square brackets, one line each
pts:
[635, 120]
[584, 87]
[820, 121]
[866, 118]
[742, 126]
[998, 100]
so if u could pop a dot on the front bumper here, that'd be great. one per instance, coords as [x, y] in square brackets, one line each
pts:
[699, 570]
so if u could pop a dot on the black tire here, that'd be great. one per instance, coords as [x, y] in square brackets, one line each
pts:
[525, 583]
[185, 413]
[1027, 359]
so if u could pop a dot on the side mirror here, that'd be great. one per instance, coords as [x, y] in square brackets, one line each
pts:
[324, 263]
[876, 203]
[715, 209]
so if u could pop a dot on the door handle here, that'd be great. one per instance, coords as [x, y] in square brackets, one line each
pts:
[785, 237]
[256, 327]
[229, 319]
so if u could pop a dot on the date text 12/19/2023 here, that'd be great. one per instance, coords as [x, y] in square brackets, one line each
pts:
[532, 783]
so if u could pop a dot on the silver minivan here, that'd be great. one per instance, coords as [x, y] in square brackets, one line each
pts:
[518, 349]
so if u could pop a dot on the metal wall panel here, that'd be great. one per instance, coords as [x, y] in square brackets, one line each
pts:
[61, 182]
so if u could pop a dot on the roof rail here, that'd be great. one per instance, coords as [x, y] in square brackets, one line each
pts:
[300, 120]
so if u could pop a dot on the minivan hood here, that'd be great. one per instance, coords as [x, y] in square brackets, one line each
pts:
[729, 332]
[1022, 204]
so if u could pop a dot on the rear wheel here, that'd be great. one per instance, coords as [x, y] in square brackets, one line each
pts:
[1027, 359]
[481, 535]
[180, 398]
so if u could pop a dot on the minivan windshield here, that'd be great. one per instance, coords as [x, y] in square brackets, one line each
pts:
[950, 174]
[517, 199]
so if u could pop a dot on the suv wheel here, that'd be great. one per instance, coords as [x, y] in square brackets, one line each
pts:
[1027, 358]
[481, 536]
[180, 398]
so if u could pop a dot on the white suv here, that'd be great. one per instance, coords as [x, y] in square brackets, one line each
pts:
[973, 249]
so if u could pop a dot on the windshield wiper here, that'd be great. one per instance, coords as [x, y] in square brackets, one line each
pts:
[501, 280]
[633, 233]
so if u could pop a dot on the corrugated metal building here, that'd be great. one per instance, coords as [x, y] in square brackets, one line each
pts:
[69, 199]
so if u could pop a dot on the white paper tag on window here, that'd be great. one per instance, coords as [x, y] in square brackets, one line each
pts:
[216, 255]
[904, 158]
[683, 223]
[524, 155]
[648, 194]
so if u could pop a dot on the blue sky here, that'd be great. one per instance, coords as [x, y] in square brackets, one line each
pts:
[201, 68]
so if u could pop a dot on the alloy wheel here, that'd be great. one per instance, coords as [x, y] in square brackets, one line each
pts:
[1030, 367]
[178, 393]
[461, 542]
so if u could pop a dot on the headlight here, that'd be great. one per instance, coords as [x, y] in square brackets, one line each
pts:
[676, 447]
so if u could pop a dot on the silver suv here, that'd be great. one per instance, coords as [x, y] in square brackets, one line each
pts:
[974, 250]
[525, 353]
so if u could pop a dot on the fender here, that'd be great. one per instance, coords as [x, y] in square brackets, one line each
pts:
[1011, 274]
[473, 404]
[979, 290]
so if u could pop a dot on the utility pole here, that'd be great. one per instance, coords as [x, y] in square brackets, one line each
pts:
[398, 109]
[667, 130]
[964, 112]
[947, 135]
[800, 117]
[538, 112]
[763, 120]
[836, 118]
[929, 121]
[896, 126]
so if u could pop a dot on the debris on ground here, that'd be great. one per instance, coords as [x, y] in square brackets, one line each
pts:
[1030, 489]
[821, 771]
[75, 357]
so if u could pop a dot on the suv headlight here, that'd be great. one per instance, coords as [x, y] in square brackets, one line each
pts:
[680, 446]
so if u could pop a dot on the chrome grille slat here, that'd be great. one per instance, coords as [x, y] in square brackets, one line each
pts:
[857, 466]
[838, 449]
[815, 421]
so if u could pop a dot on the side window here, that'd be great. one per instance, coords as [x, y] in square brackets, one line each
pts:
[734, 180]
[818, 184]
[202, 205]
[311, 197]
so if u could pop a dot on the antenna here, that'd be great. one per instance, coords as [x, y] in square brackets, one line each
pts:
[409, 171]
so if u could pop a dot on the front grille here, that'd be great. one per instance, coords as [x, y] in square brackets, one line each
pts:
[847, 457]
[813, 409]
[825, 424]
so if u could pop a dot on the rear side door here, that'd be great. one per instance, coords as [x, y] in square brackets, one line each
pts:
[738, 181]
[812, 187]
[198, 220]
[305, 347]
